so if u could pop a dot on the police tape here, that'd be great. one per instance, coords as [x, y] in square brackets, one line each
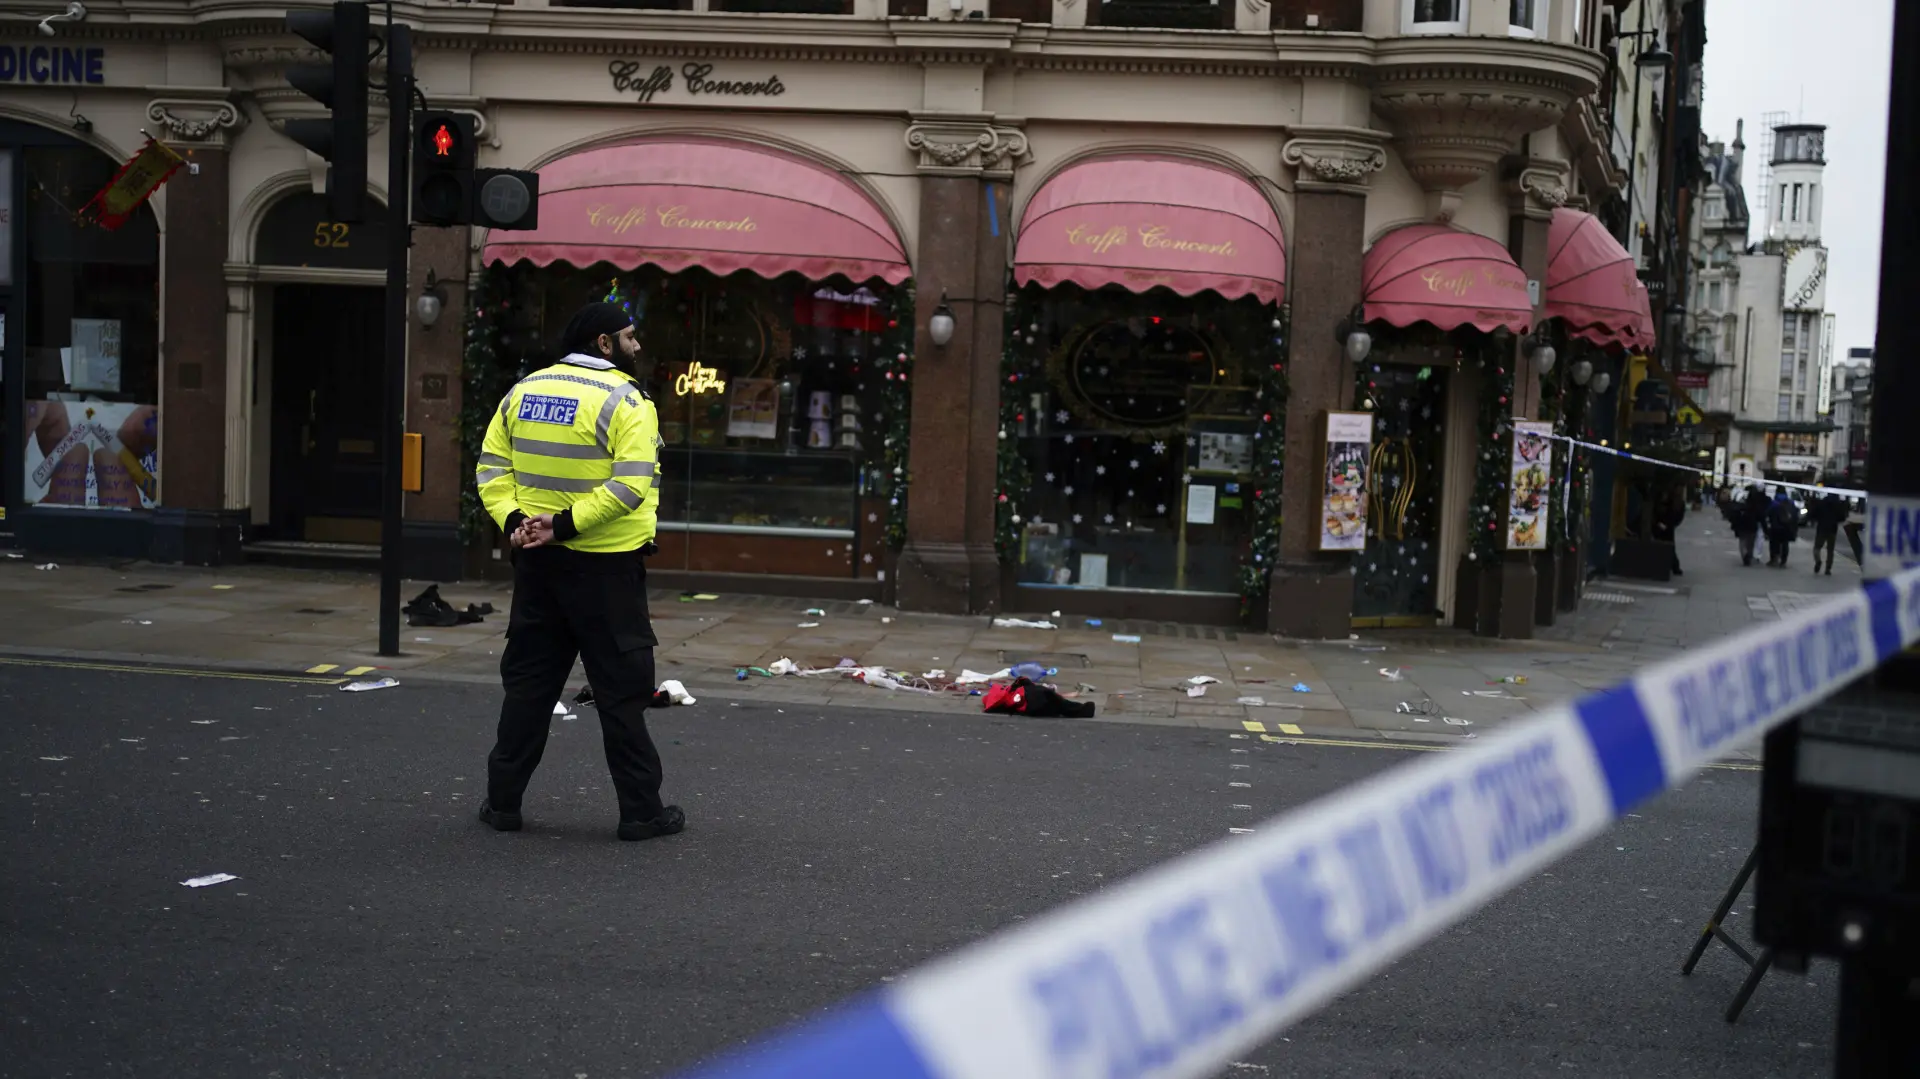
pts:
[1176, 971]
[1625, 455]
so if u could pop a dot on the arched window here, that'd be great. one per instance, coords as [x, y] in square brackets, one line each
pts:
[1527, 18]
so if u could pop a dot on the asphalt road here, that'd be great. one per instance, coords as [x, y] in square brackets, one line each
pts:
[377, 929]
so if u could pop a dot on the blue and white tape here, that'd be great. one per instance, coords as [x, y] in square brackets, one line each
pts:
[1177, 971]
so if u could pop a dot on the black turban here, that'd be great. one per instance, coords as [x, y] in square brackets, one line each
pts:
[586, 326]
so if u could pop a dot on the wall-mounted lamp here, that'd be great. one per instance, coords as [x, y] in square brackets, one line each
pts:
[1601, 381]
[1353, 336]
[428, 306]
[1655, 61]
[1542, 353]
[1581, 371]
[940, 326]
[75, 12]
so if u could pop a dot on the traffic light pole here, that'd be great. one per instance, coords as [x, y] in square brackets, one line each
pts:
[393, 404]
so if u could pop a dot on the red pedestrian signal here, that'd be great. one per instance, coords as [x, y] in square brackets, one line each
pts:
[443, 141]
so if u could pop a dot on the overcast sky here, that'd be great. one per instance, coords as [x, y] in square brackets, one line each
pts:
[1824, 63]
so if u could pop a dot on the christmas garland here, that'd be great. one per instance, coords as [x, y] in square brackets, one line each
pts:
[1493, 470]
[888, 471]
[486, 376]
[1269, 368]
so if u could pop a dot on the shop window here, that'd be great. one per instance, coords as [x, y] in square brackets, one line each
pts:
[1527, 18]
[1161, 14]
[773, 412]
[90, 317]
[1433, 17]
[632, 5]
[1139, 439]
[1024, 10]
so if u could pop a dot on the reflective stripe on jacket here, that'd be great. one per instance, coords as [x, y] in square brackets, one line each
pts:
[579, 436]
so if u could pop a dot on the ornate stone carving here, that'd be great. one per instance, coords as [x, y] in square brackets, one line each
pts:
[194, 120]
[1335, 158]
[1537, 187]
[965, 144]
[1456, 118]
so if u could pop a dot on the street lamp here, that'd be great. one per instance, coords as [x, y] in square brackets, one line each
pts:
[1542, 353]
[940, 326]
[1652, 64]
[1581, 371]
[427, 307]
[1353, 336]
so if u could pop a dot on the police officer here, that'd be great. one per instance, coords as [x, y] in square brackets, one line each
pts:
[568, 471]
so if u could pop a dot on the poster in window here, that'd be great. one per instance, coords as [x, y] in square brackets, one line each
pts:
[96, 454]
[1225, 452]
[1343, 496]
[1527, 486]
[755, 409]
[94, 361]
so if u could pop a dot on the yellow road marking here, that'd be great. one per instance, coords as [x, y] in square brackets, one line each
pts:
[358, 671]
[322, 668]
[1254, 725]
[126, 668]
[1289, 728]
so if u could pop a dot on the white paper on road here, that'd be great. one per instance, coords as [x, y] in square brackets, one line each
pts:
[212, 878]
[362, 687]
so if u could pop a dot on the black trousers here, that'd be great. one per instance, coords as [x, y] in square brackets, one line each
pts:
[567, 604]
[1824, 540]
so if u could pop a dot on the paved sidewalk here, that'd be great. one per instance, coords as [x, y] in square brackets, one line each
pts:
[1448, 685]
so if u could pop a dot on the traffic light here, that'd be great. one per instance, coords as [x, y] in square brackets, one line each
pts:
[449, 190]
[443, 169]
[342, 88]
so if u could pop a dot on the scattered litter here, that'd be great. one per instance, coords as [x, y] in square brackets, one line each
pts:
[1196, 691]
[1127, 638]
[815, 612]
[808, 625]
[135, 622]
[783, 665]
[15, 555]
[866, 603]
[223, 588]
[739, 674]
[1254, 702]
[428, 609]
[378, 683]
[560, 709]
[203, 722]
[968, 678]
[1424, 708]
[703, 597]
[885, 621]
[1452, 722]
[1510, 680]
[1241, 831]
[933, 674]
[1422, 719]
[1094, 622]
[1030, 670]
[1021, 623]
[1370, 648]
[674, 692]
[1491, 694]
[1302, 687]
[1393, 674]
[49, 565]
[1204, 680]
[55, 760]
[1027, 698]
[213, 878]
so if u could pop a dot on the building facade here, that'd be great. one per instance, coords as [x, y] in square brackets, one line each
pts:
[986, 306]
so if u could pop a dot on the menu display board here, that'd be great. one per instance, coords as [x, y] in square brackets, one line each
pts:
[1527, 485]
[1345, 450]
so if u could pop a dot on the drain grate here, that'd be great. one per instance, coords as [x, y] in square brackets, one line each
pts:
[314, 610]
[1607, 597]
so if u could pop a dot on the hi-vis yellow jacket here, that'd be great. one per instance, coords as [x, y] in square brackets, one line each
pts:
[578, 436]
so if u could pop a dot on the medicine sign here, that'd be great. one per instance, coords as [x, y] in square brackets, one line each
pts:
[1892, 539]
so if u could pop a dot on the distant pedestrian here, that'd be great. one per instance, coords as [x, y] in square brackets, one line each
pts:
[1828, 515]
[1853, 530]
[1666, 524]
[1783, 527]
[1747, 516]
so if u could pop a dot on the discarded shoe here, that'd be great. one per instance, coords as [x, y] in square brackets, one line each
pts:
[428, 609]
[671, 821]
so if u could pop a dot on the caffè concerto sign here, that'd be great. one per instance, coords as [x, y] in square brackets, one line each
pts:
[696, 80]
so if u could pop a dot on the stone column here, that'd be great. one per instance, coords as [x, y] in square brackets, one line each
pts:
[949, 564]
[1310, 592]
[193, 523]
[1535, 188]
[430, 517]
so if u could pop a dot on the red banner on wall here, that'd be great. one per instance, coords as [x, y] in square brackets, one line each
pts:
[132, 186]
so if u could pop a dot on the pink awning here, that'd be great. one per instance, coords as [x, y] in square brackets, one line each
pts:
[1146, 222]
[1437, 274]
[1592, 283]
[724, 206]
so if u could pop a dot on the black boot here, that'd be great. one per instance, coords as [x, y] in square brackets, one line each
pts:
[671, 821]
